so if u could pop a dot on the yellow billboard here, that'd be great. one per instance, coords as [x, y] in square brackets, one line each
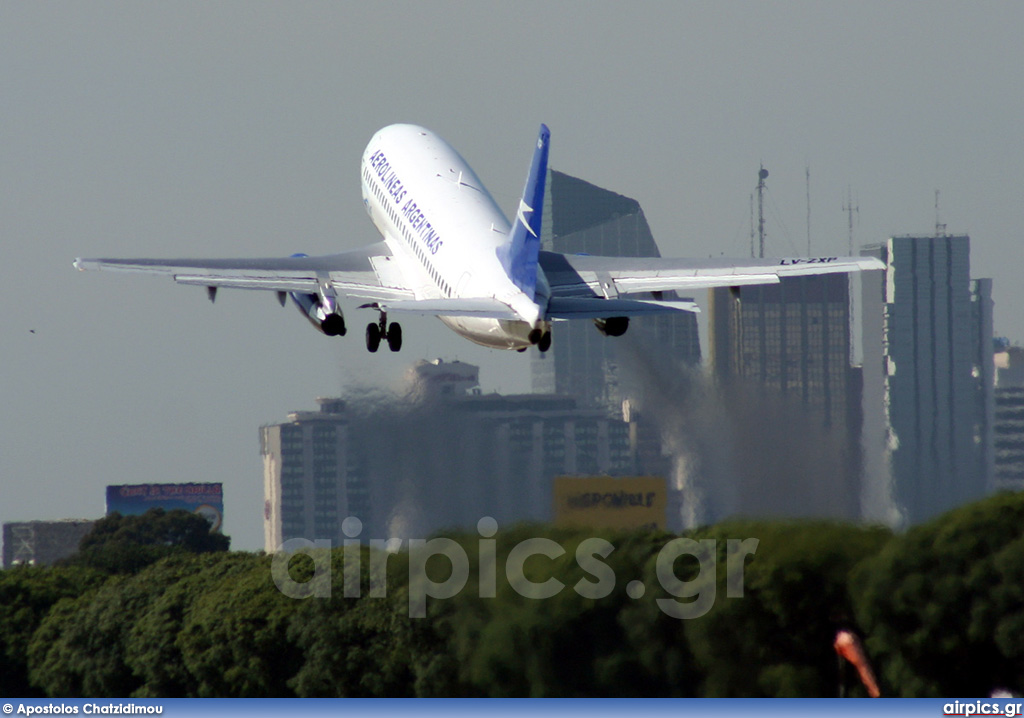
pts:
[608, 502]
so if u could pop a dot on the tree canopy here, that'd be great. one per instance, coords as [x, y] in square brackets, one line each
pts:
[940, 609]
[127, 544]
[942, 605]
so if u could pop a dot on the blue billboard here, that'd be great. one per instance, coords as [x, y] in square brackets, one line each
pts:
[135, 499]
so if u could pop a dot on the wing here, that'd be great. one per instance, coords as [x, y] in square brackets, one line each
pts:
[607, 277]
[365, 273]
[597, 308]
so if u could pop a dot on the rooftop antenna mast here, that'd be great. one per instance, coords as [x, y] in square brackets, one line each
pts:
[807, 168]
[940, 228]
[752, 254]
[762, 175]
[850, 209]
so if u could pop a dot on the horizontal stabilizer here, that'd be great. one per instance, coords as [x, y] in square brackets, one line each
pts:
[592, 308]
[453, 307]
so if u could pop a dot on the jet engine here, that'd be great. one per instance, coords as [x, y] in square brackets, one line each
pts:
[325, 316]
[321, 309]
[612, 326]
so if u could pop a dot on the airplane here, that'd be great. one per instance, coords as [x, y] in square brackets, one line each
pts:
[447, 250]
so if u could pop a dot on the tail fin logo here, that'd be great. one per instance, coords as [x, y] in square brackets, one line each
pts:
[519, 256]
[525, 209]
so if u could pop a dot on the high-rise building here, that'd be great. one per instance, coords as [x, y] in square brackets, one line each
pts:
[313, 478]
[928, 379]
[581, 218]
[1008, 426]
[1009, 363]
[1008, 439]
[40, 543]
[444, 455]
[793, 338]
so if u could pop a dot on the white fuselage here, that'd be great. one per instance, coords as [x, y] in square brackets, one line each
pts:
[444, 229]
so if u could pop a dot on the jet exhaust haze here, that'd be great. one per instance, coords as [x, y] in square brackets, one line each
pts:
[739, 449]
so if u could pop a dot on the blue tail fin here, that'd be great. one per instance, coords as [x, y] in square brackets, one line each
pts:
[524, 244]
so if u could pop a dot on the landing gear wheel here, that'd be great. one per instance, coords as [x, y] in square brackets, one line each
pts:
[545, 342]
[372, 337]
[394, 336]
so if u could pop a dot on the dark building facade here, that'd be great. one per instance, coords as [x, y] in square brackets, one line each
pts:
[793, 336]
[1008, 426]
[40, 543]
[581, 218]
[793, 339]
[1008, 438]
[929, 371]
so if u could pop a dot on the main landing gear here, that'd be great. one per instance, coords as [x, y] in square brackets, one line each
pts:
[541, 338]
[545, 342]
[380, 330]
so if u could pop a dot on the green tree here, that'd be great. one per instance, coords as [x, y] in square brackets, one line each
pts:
[77, 650]
[566, 644]
[127, 544]
[366, 646]
[154, 642]
[943, 604]
[234, 637]
[777, 639]
[80, 649]
[27, 593]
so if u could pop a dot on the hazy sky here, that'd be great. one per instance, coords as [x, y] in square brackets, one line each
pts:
[236, 129]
